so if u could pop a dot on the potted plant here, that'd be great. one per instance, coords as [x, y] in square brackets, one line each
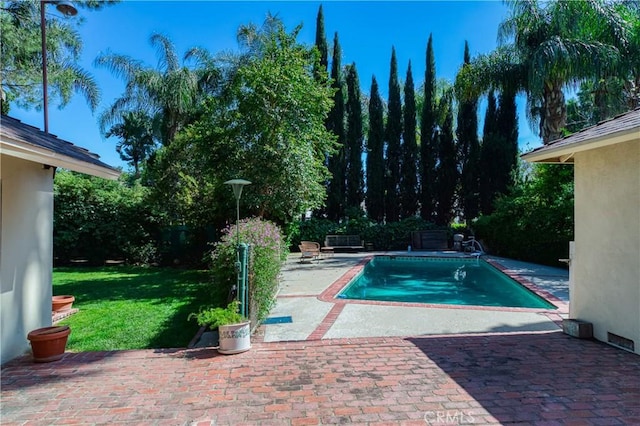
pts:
[62, 303]
[234, 331]
[48, 343]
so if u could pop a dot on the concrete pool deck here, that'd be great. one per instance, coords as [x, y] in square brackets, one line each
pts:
[307, 290]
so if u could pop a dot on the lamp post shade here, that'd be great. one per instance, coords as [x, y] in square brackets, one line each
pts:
[65, 7]
[237, 185]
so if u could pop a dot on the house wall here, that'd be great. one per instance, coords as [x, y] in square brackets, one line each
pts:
[26, 252]
[606, 265]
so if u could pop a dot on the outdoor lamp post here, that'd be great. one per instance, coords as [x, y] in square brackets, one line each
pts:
[241, 250]
[67, 9]
[237, 185]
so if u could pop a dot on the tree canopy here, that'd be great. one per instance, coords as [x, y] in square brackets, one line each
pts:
[268, 128]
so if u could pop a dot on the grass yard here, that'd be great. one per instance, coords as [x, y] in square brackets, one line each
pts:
[125, 307]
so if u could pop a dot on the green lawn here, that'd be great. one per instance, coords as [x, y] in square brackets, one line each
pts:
[125, 307]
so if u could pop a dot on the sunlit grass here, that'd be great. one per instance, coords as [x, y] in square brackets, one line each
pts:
[132, 307]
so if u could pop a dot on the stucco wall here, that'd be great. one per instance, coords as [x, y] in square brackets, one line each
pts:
[26, 190]
[606, 265]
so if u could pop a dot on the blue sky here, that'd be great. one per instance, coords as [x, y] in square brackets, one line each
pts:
[367, 31]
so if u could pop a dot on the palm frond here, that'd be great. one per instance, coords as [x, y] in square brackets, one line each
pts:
[84, 83]
[121, 66]
[166, 51]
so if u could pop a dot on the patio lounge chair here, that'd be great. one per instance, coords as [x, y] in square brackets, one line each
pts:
[309, 250]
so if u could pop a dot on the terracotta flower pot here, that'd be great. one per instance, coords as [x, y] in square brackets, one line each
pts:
[62, 303]
[48, 343]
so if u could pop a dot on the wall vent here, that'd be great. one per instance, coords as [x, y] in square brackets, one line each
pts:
[620, 341]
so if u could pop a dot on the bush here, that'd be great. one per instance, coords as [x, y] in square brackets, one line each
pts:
[265, 260]
[99, 219]
[535, 223]
[215, 317]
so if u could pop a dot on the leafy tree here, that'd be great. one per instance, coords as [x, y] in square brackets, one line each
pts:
[21, 52]
[375, 156]
[276, 139]
[335, 124]
[410, 153]
[428, 142]
[548, 46]
[354, 142]
[136, 139]
[169, 94]
[535, 222]
[469, 150]
[446, 169]
[596, 101]
[320, 67]
[393, 136]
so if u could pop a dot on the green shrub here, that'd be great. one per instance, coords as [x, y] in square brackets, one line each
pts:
[215, 317]
[313, 229]
[535, 222]
[99, 219]
[265, 260]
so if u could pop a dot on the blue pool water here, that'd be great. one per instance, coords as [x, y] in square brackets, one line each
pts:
[449, 281]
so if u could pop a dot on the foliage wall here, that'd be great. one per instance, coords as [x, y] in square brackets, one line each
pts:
[535, 222]
[98, 219]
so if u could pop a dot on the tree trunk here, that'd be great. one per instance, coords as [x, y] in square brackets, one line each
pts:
[554, 113]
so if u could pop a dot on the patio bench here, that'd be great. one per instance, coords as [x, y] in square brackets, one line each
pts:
[344, 242]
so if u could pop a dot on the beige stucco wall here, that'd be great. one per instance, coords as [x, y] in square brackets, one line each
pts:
[606, 266]
[26, 193]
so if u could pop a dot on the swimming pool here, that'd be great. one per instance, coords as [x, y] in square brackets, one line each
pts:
[448, 281]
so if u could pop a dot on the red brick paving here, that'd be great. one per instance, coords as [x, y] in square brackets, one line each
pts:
[541, 379]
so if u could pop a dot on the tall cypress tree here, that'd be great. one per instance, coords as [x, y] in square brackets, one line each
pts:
[320, 74]
[393, 135]
[428, 141]
[507, 128]
[499, 148]
[320, 66]
[375, 156]
[489, 153]
[335, 124]
[469, 151]
[409, 166]
[447, 169]
[354, 142]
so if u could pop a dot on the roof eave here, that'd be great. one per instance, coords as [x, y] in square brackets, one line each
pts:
[565, 154]
[40, 155]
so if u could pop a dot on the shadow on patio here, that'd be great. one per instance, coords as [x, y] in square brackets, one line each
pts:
[539, 377]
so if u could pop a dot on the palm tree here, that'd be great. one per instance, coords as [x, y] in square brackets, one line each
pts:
[169, 94]
[546, 47]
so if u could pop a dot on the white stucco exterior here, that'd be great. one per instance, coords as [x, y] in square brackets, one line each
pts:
[605, 257]
[606, 266]
[26, 199]
[28, 160]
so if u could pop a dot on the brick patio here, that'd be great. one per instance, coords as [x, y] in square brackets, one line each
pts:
[546, 378]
